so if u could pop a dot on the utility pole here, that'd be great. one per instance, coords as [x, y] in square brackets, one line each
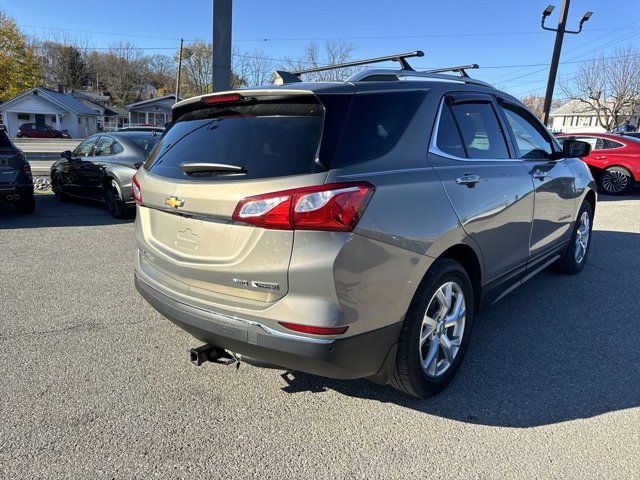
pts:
[221, 71]
[557, 48]
[179, 71]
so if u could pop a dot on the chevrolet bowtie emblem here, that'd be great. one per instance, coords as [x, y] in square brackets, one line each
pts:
[174, 202]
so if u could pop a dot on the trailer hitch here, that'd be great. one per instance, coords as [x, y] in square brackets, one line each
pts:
[211, 353]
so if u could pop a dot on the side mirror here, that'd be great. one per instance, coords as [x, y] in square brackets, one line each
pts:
[575, 149]
[67, 154]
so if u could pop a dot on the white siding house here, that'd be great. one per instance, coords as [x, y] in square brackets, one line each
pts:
[44, 106]
[576, 116]
[156, 111]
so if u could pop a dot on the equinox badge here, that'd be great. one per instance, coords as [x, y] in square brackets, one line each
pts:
[174, 202]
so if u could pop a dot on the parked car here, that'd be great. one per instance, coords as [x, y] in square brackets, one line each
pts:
[34, 130]
[142, 128]
[354, 229]
[614, 160]
[101, 168]
[16, 180]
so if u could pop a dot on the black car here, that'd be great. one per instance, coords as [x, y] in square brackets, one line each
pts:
[16, 181]
[101, 168]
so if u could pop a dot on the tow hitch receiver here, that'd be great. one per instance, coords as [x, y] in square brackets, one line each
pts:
[210, 353]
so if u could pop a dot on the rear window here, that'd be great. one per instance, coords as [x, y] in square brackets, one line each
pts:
[267, 139]
[145, 142]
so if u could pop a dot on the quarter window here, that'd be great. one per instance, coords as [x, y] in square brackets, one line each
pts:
[530, 141]
[480, 130]
[448, 139]
[606, 143]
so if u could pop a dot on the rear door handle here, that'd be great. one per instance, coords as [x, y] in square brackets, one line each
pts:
[468, 179]
[601, 157]
[539, 174]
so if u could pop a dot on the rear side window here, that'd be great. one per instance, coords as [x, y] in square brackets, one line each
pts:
[606, 143]
[268, 139]
[481, 132]
[595, 142]
[374, 124]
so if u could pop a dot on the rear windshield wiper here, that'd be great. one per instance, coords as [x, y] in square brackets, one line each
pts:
[202, 169]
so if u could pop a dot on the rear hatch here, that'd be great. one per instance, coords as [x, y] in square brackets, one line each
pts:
[10, 161]
[234, 148]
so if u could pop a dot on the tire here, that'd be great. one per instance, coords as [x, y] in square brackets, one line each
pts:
[615, 181]
[58, 189]
[115, 204]
[26, 205]
[410, 376]
[575, 256]
[23, 136]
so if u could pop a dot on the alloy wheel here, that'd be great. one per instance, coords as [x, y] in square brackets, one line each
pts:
[582, 237]
[442, 329]
[614, 181]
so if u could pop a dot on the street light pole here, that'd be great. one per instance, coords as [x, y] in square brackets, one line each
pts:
[557, 49]
[221, 71]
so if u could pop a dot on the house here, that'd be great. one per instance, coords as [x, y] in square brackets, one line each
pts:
[43, 106]
[110, 117]
[577, 116]
[155, 111]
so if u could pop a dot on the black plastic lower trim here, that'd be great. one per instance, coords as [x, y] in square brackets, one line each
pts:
[358, 356]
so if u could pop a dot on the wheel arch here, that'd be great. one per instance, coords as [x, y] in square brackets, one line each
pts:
[470, 261]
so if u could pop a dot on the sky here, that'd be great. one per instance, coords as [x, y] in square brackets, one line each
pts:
[502, 36]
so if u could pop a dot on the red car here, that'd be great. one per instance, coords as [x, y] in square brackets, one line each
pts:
[614, 160]
[33, 130]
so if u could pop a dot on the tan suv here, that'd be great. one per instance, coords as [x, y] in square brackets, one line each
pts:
[354, 229]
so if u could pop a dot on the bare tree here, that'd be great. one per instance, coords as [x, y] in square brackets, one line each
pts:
[63, 59]
[197, 67]
[123, 71]
[535, 103]
[161, 73]
[334, 52]
[253, 67]
[608, 86]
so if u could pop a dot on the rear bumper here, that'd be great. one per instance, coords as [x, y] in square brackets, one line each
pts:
[13, 192]
[352, 357]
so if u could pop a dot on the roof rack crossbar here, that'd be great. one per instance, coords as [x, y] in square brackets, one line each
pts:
[460, 68]
[400, 57]
[377, 74]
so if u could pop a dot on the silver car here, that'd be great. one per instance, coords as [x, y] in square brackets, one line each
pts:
[101, 168]
[354, 229]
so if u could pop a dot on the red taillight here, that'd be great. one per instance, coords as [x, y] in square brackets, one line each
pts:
[334, 207]
[26, 168]
[314, 330]
[230, 97]
[136, 192]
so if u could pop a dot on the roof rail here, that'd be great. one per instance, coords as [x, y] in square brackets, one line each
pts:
[283, 76]
[388, 74]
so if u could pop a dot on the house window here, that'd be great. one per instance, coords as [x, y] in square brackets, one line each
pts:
[564, 121]
[23, 116]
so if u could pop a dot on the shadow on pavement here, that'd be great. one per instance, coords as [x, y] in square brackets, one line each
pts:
[52, 213]
[634, 195]
[558, 348]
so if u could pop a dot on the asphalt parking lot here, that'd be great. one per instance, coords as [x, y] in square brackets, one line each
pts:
[95, 384]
